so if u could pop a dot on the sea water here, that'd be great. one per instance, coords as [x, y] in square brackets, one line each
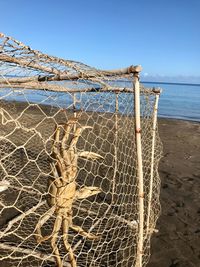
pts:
[179, 101]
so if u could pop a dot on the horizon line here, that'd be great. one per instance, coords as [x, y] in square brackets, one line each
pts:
[175, 83]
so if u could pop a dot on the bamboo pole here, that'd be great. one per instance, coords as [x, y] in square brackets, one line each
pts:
[152, 162]
[139, 255]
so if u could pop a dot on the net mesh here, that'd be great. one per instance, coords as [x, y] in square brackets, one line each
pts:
[68, 163]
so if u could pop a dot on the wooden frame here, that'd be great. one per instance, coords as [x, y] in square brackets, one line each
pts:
[43, 73]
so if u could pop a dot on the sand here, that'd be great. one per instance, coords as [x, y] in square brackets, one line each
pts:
[177, 244]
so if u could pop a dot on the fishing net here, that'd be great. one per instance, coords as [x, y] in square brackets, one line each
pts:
[69, 163]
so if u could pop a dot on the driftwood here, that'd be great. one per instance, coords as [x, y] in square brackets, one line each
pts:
[47, 68]
[131, 69]
[27, 64]
[59, 88]
[58, 76]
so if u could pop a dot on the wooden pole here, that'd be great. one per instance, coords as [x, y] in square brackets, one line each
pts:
[131, 69]
[152, 164]
[139, 170]
[6, 83]
[52, 59]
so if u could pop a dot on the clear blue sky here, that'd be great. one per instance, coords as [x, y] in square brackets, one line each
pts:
[161, 35]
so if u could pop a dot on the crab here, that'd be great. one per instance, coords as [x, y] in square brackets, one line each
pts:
[62, 189]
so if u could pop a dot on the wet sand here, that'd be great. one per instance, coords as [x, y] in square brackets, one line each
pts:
[177, 244]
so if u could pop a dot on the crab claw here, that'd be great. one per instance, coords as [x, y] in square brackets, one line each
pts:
[89, 155]
[86, 127]
[88, 191]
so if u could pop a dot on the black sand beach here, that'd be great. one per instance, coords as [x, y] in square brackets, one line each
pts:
[177, 244]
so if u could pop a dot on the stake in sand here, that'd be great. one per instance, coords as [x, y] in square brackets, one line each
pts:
[152, 165]
[139, 170]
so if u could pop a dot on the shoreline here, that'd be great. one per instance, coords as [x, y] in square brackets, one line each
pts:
[179, 119]
[70, 102]
[178, 83]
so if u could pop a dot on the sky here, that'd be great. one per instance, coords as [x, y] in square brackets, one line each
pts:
[161, 35]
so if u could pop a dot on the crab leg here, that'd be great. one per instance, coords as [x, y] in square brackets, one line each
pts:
[66, 244]
[89, 155]
[41, 222]
[80, 231]
[76, 136]
[56, 179]
[56, 228]
[58, 156]
[67, 129]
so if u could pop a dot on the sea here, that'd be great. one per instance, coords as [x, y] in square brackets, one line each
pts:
[177, 101]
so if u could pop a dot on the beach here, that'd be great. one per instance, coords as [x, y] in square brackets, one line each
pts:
[100, 142]
[177, 244]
